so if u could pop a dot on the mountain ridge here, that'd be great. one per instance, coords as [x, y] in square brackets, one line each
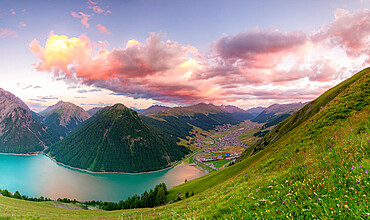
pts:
[154, 109]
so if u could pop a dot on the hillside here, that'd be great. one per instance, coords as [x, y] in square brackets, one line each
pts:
[19, 131]
[180, 121]
[278, 112]
[154, 109]
[116, 140]
[64, 117]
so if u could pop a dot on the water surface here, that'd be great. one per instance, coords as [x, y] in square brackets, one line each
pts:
[38, 175]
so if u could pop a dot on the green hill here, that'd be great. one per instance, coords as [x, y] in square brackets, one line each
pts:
[116, 140]
[315, 166]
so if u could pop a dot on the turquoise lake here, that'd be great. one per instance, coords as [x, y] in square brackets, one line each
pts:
[38, 175]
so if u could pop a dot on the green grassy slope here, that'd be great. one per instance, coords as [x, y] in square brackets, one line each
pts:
[320, 169]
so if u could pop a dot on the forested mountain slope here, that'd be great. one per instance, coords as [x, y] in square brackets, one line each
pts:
[116, 140]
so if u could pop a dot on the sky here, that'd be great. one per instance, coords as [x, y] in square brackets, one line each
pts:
[244, 53]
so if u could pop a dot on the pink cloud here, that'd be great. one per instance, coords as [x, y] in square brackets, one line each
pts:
[253, 46]
[84, 18]
[249, 56]
[96, 9]
[12, 11]
[146, 71]
[90, 2]
[22, 24]
[7, 33]
[102, 29]
[348, 31]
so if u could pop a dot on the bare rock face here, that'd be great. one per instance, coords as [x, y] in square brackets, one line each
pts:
[19, 131]
[64, 117]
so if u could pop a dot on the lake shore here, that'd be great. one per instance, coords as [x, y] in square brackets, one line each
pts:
[30, 154]
[89, 171]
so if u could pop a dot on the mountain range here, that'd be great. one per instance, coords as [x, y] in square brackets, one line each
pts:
[154, 109]
[112, 139]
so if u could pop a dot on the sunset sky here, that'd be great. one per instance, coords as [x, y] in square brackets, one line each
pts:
[169, 52]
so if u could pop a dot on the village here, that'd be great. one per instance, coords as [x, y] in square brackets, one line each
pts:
[218, 152]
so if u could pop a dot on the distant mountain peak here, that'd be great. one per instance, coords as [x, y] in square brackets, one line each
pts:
[94, 110]
[64, 117]
[232, 109]
[154, 109]
[119, 106]
[276, 111]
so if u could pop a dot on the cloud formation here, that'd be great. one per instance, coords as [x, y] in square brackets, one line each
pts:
[102, 29]
[254, 47]
[157, 69]
[254, 64]
[348, 31]
[84, 18]
[22, 24]
[97, 9]
[7, 33]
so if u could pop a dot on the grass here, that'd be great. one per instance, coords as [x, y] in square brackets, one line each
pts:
[219, 163]
[204, 167]
[318, 170]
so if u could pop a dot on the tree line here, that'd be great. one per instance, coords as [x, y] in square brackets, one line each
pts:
[17, 195]
[149, 199]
